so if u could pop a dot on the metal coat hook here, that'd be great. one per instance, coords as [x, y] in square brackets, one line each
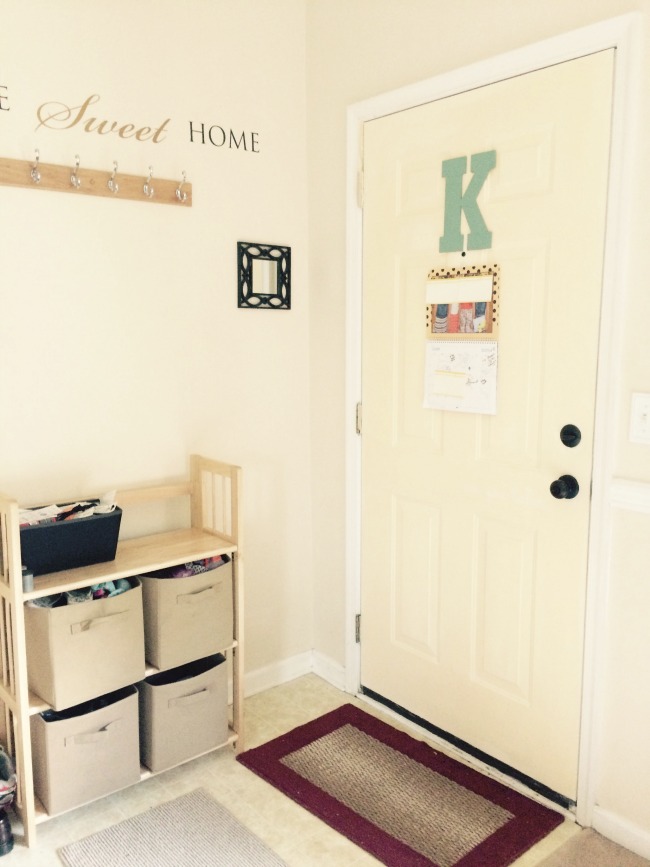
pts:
[83, 181]
[75, 180]
[112, 181]
[180, 195]
[35, 174]
[148, 189]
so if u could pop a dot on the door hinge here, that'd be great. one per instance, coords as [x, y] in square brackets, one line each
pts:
[358, 419]
[357, 628]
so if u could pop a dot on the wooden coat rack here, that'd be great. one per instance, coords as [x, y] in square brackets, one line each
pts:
[91, 182]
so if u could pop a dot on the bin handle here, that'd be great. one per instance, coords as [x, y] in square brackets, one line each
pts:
[199, 596]
[93, 737]
[192, 698]
[85, 625]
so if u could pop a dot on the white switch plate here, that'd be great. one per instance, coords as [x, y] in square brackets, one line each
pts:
[640, 418]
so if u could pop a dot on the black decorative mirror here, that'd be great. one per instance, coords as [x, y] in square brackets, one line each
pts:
[263, 276]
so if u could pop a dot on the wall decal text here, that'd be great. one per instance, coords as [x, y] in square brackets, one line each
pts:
[57, 115]
[220, 137]
[84, 117]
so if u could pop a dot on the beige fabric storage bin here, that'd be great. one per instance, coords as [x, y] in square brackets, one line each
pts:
[79, 651]
[88, 753]
[183, 712]
[187, 618]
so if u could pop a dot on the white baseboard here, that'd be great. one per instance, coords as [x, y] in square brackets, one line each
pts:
[310, 662]
[621, 831]
[329, 670]
[279, 672]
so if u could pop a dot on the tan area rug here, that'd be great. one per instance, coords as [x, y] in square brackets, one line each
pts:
[190, 831]
[396, 797]
[589, 849]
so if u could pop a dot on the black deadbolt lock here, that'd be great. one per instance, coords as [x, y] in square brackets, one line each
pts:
[570, 435]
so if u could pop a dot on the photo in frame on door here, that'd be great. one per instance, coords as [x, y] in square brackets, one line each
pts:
[460, 368]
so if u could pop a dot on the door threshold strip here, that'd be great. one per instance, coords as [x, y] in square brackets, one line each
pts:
[463, 746]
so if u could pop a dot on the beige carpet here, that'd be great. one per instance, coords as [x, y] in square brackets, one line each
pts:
[190, 831]
[589, 849]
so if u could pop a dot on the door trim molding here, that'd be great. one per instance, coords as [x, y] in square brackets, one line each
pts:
[623, 34]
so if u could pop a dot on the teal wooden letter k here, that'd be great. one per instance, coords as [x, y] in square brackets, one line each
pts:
[457, 203]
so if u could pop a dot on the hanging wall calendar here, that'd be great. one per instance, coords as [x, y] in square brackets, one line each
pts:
[460, 371]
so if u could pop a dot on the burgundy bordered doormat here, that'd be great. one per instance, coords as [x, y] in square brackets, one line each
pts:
[396, 797]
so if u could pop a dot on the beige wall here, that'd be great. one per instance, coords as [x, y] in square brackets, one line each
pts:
[121, 346]
[357, 50]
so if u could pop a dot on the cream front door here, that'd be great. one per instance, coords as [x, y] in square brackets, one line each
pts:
[473, 574]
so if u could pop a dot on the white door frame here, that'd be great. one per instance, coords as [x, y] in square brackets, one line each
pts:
[621, 33]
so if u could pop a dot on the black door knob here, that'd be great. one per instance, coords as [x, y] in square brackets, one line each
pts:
[565, 488]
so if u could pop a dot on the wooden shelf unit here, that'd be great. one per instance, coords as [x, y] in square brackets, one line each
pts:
[214, 490]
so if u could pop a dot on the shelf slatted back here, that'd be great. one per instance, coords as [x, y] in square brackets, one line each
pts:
[214, 490]
[216, 497]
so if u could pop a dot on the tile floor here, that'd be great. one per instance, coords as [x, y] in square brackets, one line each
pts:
[297, 836]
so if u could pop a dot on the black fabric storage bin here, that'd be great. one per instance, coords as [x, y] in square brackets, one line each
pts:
[68, 544]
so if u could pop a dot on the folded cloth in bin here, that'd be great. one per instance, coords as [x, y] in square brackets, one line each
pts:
[185, 570]
[72, 597]
[49, 514]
